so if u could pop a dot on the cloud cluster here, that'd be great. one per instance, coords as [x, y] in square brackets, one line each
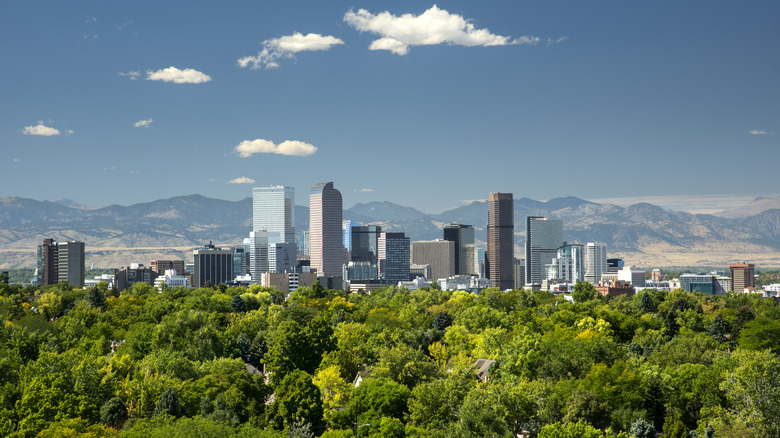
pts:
[241, 180]
[247, 148]
[143, 123]
[757, 132]
[286, 47]
[173, 74]
[364, 190]
[40, 129]
[133, 75]
[434, 26]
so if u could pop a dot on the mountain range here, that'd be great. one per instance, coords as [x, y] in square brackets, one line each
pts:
[644, 234]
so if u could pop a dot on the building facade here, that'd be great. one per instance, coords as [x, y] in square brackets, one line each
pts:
[595, 261]
[326, 246]
[273, 210]
[500, 255]
[393, 257]
[439, 254]
[742, 276]
[543, 237]
[212, 265]
[463, 238]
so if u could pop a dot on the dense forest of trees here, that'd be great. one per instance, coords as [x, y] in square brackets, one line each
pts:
[186, 363]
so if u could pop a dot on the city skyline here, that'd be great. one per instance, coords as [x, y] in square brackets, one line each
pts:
[657, 88]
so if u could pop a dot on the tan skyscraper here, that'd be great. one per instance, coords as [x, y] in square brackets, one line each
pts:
[742, 276]
[500, 254]
[326, 247]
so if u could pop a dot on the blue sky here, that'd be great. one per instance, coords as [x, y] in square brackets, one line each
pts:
[400, 101]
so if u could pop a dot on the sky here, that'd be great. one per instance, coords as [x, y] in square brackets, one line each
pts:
[427, 105]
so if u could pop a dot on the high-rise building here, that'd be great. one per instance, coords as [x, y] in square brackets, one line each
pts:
[70, 263]
[240, 261]
[543, 237]
[212, 264]
[125, 278]
[633, 276]
[258, 254]
[325, 235]
[304, 243]
[519, 273]
[393, 257]
[463, 237]
[569, 265]
[742, 276]
[346, 230]
[440, 254]
[614, 264]
[273, 210]
[47, 262]
[595, 261]
[364, 243]
[282, 257]
[500, 256]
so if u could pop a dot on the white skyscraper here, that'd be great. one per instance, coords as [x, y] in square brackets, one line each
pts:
[543, 237]
[273, 210]
[595, 261]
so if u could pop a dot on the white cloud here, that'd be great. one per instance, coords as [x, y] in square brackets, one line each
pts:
[471, 201]
[557, 41]
[757, 132]
[17, 160]
[70, 132]
[364, 190]
[92, 19]
[434, 26]
[109, 168]
[247, 148]
[241, 180]
[40, 129]
[133, 75]
[173, 74]
[143, 123]
[286, 47]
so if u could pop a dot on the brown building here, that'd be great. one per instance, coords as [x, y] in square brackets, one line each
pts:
[615, 288]
[288, 282]
[742, 276]
[500, 255]
[326, 242]
[47, 262]
[160, 266]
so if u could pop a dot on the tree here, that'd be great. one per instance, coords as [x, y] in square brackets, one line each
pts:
[169, 404]
[238, 304]
[753, 388]
[718, 329]
[95, 297]
[113, 412]
[646, 303]
[297, 399]
[579, 429]
[642, 429]
[442, 320]
[583, 291]
[761, 333]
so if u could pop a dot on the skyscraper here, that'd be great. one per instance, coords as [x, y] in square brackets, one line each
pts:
[364, 243]
[463, 236]
[543, 237]
[61, 261]
[258, 254]
[500, 256]
[325, 234]
[273, 210]
[393, 257]
[346, 228]
[47, 262]
[595, 261]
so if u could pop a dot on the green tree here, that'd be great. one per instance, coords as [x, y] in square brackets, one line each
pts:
[579, 429]
[297, 399]
[169, 404]
[583, 291]
[646, 304]
[113, 412]
[761, 333]
[753, 388]
[718, 329]
[238, 304]
[642, 429]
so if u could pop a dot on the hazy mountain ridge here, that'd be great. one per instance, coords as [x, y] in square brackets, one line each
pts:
[643, 230]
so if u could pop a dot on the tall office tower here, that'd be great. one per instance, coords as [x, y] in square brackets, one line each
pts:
[325, 237]
[47, 262]
[70, 263]
[614, 264]
[240, 261]
[742, 276]
[282, 257]
[364, 243]
[258, 253]
[213, 265]
[440, 254]
[500, 256]
[519, 273]
[304, 243]
[393, 257]
[273, 210]
[160, 266]
[462, 236]
[543, 237]
[569, 265]
[346, 229]
[595, 261]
